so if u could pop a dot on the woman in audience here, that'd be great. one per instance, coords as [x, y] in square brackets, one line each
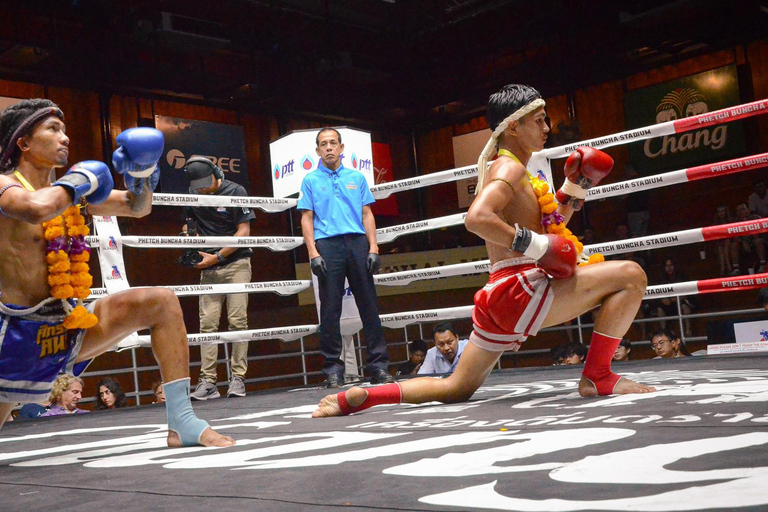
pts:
[66, 393]
[110, 395]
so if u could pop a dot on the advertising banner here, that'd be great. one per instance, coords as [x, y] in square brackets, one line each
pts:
[223, 144]
[294, 155]
[678, 99]
[382, 173]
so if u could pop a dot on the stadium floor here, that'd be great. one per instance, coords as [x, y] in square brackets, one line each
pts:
[525, 442]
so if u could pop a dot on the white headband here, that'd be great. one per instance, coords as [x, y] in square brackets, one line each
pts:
[490, 147]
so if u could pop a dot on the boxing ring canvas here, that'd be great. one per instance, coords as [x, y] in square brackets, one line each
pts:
[525, 442]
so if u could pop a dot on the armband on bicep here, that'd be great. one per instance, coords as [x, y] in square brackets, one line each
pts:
[2, 191]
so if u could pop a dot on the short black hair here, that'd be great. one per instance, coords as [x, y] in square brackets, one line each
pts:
[442, 327]
[507, 101]
[418, 346]
[326, 129]
[625, 343]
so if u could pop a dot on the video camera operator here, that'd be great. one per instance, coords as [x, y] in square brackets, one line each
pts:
[219, 266]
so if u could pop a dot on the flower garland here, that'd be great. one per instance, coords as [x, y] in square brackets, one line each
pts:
[68, 271]
[551, 220]
[67, 255]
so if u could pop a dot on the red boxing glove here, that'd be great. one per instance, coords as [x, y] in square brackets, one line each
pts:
[583, 170]
[555, 254]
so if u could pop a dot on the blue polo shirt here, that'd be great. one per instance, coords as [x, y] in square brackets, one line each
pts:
[336, 199]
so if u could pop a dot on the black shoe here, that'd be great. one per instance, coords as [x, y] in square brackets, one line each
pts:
[334, 380]
[381, 376]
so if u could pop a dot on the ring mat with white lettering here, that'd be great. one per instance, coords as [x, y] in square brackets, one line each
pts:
[526, 441]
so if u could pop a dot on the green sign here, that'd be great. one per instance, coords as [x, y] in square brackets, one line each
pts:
[677, 99]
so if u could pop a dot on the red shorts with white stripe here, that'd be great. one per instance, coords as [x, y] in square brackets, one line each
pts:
[512, 306]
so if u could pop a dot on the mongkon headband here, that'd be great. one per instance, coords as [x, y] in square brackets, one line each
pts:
[490, 147]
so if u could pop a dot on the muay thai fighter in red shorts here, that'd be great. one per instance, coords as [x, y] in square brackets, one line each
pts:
[534, 281]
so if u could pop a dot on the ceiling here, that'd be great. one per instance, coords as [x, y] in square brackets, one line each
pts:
[380, 63]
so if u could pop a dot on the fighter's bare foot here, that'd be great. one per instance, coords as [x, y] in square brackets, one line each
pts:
[209, 438]
[623, 387]
[329, 406]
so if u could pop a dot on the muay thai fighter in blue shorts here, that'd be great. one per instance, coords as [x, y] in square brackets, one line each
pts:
[35, 344]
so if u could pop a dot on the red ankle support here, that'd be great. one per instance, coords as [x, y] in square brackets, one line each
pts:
[386, 394]
[597, 367]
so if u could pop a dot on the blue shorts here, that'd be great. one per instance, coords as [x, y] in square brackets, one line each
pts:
[35, 348]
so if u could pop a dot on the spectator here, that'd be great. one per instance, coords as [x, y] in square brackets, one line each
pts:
[762, 298]
[32, 411]
[445, 355]
[750, 247]
[340, 234]
[223, 265]
[668, 306]
[623, 350]
[157, 389]
[66, 393]
[568, 354]
[667, 345]
[418, 350]
[109, 395]
[758, 200]
[723, 216]
[621, 232]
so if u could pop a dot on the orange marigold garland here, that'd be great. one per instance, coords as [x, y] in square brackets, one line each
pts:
[554, 223]
[68, 272]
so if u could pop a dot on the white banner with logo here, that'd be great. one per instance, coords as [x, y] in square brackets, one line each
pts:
[294, 155]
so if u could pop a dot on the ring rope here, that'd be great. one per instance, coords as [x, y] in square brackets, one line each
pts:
[268, 204]
[704, 120]
[400, 320]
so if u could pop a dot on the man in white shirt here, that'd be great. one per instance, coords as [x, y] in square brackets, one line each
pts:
[445, 355]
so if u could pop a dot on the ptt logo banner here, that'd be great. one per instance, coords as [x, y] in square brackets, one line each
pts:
[294, 155]
[678, 99]
[223, 144]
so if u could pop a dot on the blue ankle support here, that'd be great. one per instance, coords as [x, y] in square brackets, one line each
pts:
[181, 417]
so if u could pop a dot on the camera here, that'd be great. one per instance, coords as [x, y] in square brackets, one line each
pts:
[190, 258]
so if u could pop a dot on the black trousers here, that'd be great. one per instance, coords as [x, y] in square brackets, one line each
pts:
[346, 257]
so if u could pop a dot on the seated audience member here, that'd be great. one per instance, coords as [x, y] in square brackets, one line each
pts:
[668, 306]
[157, 389]
[762, 298]
[418, 351]
[723, 216]
[758, 200]
[568, 354]
[32, 411]
[445, 355]
[66, 393]
[109, 395]
[623, 350]
[747, 251]
[667, 345]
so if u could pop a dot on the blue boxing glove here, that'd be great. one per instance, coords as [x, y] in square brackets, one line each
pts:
[136, 157]
[91, 179]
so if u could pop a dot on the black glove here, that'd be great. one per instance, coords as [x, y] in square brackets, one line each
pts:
[318, 266]
[374, 263]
